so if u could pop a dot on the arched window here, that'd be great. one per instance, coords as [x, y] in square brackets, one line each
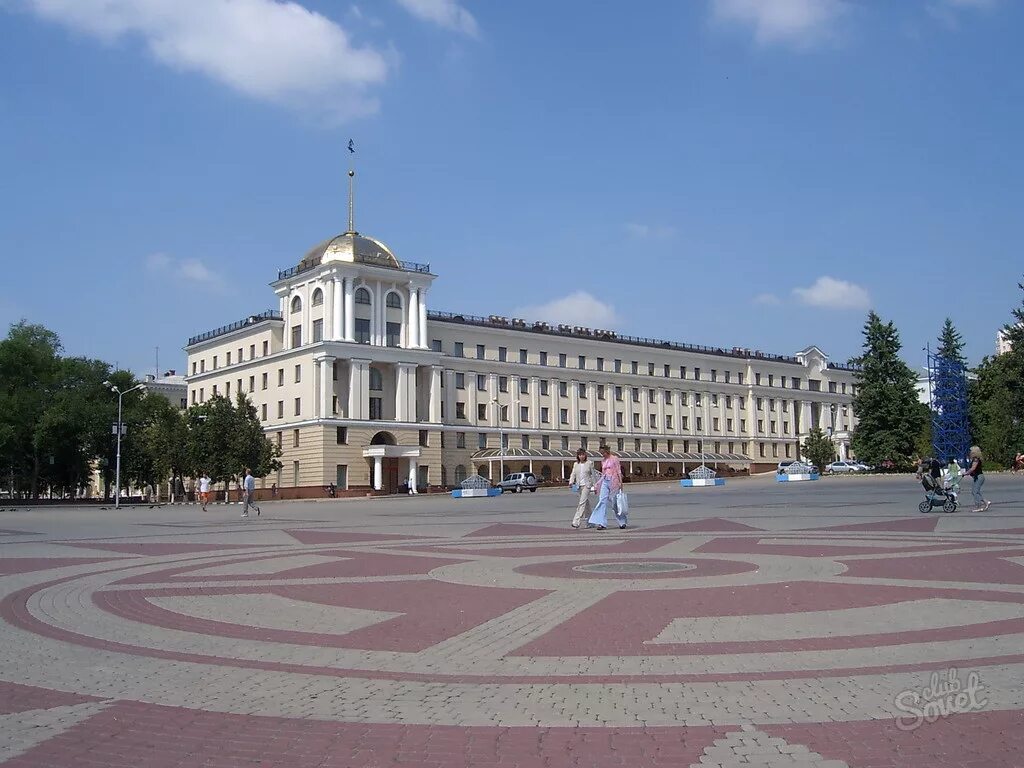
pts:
[393, 301]
[318, 297]
[296, 304]
[362, 296]
[376, 379]
[460, 474]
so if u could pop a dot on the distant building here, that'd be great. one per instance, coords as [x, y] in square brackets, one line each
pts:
[1003, 344]
[170, 385]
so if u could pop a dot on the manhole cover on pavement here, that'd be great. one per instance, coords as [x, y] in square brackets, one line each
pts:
[644, 567]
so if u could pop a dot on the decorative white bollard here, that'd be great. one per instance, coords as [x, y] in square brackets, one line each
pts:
[796, 472]
[701, 477]
[475, 486]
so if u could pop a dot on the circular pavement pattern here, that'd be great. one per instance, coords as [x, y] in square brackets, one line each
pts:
[730, 635]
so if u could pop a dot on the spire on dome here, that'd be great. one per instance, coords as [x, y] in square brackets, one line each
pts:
[351, 204]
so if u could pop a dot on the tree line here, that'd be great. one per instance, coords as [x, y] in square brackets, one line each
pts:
[893, 426]
[57, 417]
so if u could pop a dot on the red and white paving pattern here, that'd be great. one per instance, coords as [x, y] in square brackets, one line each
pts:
[752, 625]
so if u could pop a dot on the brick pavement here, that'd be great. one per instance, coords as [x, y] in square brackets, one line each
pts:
[749, 625]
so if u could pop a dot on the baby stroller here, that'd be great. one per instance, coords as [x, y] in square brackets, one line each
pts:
[940, 492]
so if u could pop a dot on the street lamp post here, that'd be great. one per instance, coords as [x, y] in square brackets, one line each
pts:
[120, 428]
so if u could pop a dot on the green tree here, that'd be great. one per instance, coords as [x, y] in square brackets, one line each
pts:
[889, 417]
[818, 448]
[951, 343]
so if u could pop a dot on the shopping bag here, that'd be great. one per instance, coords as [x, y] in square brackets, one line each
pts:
[621, 507]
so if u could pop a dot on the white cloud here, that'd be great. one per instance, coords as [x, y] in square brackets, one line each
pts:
[800, 23]
[648, 231]
[447, 14]
[270, 50]
[768, 299]
[191, 271]
[832, 293]
[578, 308]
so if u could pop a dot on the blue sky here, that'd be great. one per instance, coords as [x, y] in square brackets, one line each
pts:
[725, 172]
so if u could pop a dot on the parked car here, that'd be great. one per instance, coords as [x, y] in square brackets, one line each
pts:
[517, 482]
[837, 467]
[784, 465]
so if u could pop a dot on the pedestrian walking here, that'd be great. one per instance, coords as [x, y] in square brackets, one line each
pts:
[608, 487]
[204, 490]
[581, 480]
[248, 485]
[977, 473]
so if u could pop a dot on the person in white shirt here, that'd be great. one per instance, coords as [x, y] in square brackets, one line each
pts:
[582, 477]
[248, 492]
[204, 490]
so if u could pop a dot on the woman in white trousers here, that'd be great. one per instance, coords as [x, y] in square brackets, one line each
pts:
[582, 477]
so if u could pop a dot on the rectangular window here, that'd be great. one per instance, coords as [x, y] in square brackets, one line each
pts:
[544, 388]
[728, 401]
[503, 383]
[667, 370]
[460, 439]
[563, 389]
[668, 423]
[503, 412]
[757, 379]
[650, 369]
[782, 382]
[714, 375]
[227, 360]
[583, 418]
[600, 391]
[561, 360]
[545, 442]
[760, 403]
[636, 394]
[652, 396]
[334, 404]
[727, 375]
[600, 363]
[773, 426]
[543, 358]
[424, 438]
[193, 367]
[524, 413]
[227, 389]
[565, 443]
[771, 379]
[318, 330]
[376, 408]
[771, 404]
[619, 419]
[563, 416]
[582, 362]
[696, 400]
[298, 406]
[682, 371]
[502, 354]
[581, 389]
[788, 455]
[545, 415]
[295, 438]
[785, 427]
[742, 402]
[266, 348]
[743, 426]
[295, 473]
[760, 425]
[362, 331]
[263, 412]
[832, 387]
[728, 425]
[714, 399]
[193, 394]
[653, 419]
[460, 381]
[481, 440]
[634, 367]
[481, 411]
[298, 373]
[618, 366]
[525, 442]
[684, 422]
[523, 356]
[601, 419]
[280, 377]
[481, 382]
[215, 362]
[684, 399]
[280, 409]
[296, 336]
[716, 425]
[341, 435]
[393, 334]
[620, 445]
[696, 374]
[636, 445]
[252, 383]
[263, 381]
[524, 386]
[739, 378]
[636, 421]
[458, 351]
[481, 352]
[435, 345]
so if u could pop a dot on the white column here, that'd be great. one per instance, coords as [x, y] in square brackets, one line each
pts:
[412, 326]
[337, 298]
[358, 389]
[326, 387]
[329, 309]
[412, 475]
[378, 314]
[405, 391]
[378, 473]
[513, 388]
[424, 337]
[307, 315]
[434, 410]
[535, 402]
[349, 319]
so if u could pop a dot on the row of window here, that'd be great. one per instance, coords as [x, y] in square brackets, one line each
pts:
[199, 366]
[666, 370]
[362, 296]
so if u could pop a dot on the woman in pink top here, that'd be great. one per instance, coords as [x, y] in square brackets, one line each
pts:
[607, 487]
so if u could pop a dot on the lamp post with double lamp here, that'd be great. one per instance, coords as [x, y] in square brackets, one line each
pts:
[120, 428]
[501, 440]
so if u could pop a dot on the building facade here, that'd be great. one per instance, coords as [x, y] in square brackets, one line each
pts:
[364, 387]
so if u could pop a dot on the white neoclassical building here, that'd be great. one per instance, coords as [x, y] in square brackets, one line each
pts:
[362, 386]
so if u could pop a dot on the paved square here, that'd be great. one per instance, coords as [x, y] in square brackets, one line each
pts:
[755, 624]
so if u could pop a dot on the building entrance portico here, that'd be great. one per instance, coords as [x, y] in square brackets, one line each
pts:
[389, 459]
